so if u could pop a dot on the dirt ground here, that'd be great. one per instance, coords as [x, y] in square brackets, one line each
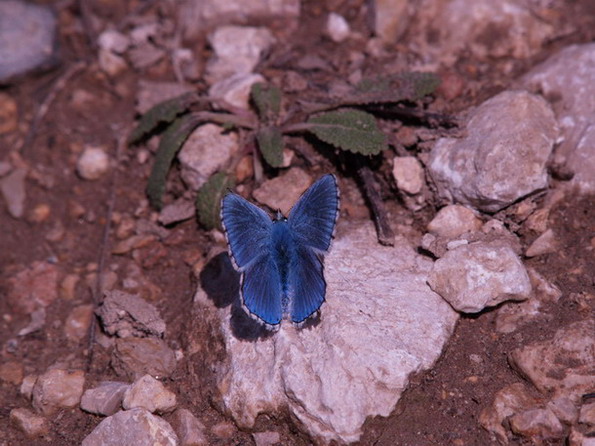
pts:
[441, 407]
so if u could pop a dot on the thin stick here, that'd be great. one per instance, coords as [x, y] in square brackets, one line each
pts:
[386, 235]
[49, 99]
[103, 247]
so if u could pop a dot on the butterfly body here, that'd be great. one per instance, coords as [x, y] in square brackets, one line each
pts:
[281, 260]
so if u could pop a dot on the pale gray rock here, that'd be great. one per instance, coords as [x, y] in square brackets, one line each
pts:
[503, 157]
[577, 438]
[205, 151]
[587, 415]
[135, 357]
[224, 430]
[180, 210]
[13, 190]
[513, 315]
[568, 78]
[27, 38]
[283, 191]
[235, 89]
[125, 315]
[409, 174]
[27, 385]
[112, 45]
[150, 394]
[93, 163]
[454, 220]
[30, 424]
[544, 244]
[537, 424]
[564, 409]
[391, 18]
[57, 389]
[190, 430]
[380, 323]
[337, 27]
[237, 49]
[269, 438]
[136, 426]
[444, 30]
[114, 41]
[197, 15]
[508, 401]
[33, 287]
[105, 399]
[477, 275]
[545, 363]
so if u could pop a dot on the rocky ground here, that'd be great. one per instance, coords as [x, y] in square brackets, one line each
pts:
[464, 316]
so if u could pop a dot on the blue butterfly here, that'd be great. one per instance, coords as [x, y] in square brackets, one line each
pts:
[280, 260]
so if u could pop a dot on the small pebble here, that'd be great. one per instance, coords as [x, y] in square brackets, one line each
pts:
[93, 163]
[31, 424]
[337, 27]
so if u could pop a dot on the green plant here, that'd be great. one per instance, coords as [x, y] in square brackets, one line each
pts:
[342, 122]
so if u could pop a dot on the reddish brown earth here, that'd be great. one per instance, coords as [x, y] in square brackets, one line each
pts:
[441, 407]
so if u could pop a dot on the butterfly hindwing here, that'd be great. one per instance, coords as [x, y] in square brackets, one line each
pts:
[261, 290]
[306, 284]
[247, 228]
[312, 219]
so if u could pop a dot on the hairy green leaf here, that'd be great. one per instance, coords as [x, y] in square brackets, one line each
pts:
[267, 99]
[348, 129]
[393, 88]
[162, 113]
[270, 143]
[171, 142]
[208, 200]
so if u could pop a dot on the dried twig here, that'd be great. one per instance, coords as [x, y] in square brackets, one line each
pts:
[121, 144]
[386, 235]
[41, 112]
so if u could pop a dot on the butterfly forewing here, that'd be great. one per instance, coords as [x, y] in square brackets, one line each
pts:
[247, 228]
[312, 219]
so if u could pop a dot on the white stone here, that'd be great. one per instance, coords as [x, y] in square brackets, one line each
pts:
[237, 49]
[189, 429]
[546, 363]
[391, 18]
[409, 174]
[445, 30]
[105, 399]
[31, 424]
[197, 15]
[14, 192]
[380, 324]
[508, 401]
[503, 157]
[113, 41]
[514, 314]
[235, 90]
[481, 274]
[544, 244]
[150, 394]
[337, 27]
[110, 63]
[283, 191]
[57, 389]
[454, 220]
[93, 163]
[205, 151]
[569, 77]
[132, 427]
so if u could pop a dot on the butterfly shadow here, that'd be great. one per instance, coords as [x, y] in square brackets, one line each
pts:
[221, 282]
